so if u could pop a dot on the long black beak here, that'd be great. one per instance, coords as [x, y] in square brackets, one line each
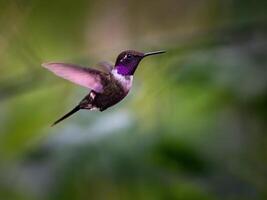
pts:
[153, 53]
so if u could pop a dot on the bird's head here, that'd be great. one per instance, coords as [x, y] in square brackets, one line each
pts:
[127, 61]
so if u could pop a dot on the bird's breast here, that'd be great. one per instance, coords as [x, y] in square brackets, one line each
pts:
[124, 81]
[115, 89]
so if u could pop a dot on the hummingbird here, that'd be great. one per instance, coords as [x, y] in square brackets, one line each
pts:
[107, 87]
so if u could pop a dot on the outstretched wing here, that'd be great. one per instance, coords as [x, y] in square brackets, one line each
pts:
[86, 77]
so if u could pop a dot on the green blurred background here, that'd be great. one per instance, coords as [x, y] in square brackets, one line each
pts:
[193, 127]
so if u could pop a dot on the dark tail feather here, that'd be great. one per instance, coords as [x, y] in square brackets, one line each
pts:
[74, 110]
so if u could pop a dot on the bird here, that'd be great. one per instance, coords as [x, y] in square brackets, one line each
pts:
[107, 87]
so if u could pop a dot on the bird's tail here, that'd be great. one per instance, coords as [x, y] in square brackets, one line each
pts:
[74, 110]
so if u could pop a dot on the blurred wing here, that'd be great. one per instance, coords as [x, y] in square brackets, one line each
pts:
[86, 77]
[105, 66]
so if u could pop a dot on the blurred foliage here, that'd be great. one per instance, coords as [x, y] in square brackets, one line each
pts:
[193, 127]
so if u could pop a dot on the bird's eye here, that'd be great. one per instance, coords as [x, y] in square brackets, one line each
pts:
[129, 56]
